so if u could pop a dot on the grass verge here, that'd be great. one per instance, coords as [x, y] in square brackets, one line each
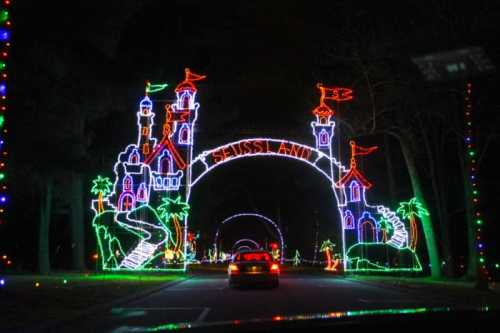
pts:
[29, 300]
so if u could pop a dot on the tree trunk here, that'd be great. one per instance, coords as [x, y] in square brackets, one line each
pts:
[430, 238]
[328, 259]
[100, 206]
[390, 173]
[316, 240]
[76, 217]
[44, 227]
[440, 205]
[177, 233]
[472, 269]
[413, 233]
[443, 191]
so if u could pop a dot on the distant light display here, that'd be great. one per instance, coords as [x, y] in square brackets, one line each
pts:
[296, 258]
[331, 263]
[259, 217]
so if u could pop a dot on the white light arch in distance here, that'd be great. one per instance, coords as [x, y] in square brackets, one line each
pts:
[259, 216]
[248, 240]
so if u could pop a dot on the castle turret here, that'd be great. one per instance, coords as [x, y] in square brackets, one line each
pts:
[323, 128]
[185, 110]
[172, 155]
[354, 181]
[359, 224]
[145, 123]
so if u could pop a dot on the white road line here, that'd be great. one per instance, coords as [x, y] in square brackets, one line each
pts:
[389, 300]
[202, 315]
[193, 289]
[158, 308]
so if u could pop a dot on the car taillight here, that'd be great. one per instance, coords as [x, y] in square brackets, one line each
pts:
[275, 268]
[233, 268]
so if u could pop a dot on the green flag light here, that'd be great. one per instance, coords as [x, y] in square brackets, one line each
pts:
[4, 16]
[151, 88]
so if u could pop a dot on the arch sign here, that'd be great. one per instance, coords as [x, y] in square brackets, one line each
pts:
[141, 214]
[208, 160]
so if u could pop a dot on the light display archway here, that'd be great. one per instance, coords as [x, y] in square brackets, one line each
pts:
[141, 218]
[260, 217]
[244, 243]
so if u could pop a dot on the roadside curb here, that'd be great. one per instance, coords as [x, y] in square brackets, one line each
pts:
[133, 297]
[379, 284]
[59, 325]
[399, 285]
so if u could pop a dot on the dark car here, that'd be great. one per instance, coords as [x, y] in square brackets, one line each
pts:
[253, 268]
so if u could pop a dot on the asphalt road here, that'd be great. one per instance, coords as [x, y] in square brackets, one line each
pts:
[207, 299]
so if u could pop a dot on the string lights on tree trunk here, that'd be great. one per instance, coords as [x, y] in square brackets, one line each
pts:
[471, 160]
[5, 37]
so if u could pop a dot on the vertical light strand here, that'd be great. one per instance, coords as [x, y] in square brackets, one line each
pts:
[5, 37]
[473, 179]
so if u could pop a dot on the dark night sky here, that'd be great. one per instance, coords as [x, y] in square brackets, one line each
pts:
[262, 60]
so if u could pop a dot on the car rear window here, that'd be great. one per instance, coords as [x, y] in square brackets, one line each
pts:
[254, 256]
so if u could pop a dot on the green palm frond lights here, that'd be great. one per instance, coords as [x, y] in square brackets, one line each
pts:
[175, 208]
[101, 185]
[2, 120]
[412, 208]
[2, 175]
[3, 65]
[4, 16]
[385, 224]
[326, 245]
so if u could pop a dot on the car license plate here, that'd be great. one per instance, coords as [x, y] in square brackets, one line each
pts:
[255, 269]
